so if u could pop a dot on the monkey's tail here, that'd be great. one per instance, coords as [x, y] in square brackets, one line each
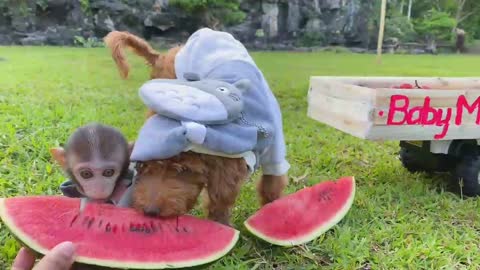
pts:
[117, 42]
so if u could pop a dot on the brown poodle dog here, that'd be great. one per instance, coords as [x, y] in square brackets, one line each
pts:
[171, 187]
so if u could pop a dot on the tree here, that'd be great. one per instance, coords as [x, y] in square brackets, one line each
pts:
[461, 15]
[381, 30]
[436, 24]
[409, 14]
[212, 13]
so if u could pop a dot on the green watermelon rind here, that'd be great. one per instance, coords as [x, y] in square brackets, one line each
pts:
[35, 246]
[307, 237]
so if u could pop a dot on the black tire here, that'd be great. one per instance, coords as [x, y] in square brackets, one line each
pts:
[418, 160]
[467, 174]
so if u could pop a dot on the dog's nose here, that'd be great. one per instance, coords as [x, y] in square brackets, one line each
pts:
[151, 211]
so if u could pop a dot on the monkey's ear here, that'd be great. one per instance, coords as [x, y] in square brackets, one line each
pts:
[58, 154]
[130, 148]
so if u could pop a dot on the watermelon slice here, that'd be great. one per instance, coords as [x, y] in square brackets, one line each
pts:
[115, 237]
[303, 216]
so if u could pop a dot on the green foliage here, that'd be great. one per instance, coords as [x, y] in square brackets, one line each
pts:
[90, 42]
[311, 39]
[468, 16]
[400, 27]
[439, 24]
[43, 4]
[211, 12]
[85, 4]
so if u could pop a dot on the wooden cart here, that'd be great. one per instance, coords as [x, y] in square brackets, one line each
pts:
[437, 121]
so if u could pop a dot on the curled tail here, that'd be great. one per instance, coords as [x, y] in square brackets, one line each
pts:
[117, 42]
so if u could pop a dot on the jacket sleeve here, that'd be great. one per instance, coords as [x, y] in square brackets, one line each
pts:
[159, 138]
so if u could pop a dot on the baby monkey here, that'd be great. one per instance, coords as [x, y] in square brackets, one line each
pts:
[96, 157]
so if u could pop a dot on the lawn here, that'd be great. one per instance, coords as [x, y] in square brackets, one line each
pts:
[398, 220]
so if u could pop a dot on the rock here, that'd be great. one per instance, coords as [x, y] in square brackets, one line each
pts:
[270, 19]
[269, 24]
[21, 21]
[160, 21]
[128, 15]
[356, 30]
[34, 39]
[57, 3]
[417, 51]
[302, 49]
[282, 47]
[332, 4]
[310, 9]
[104, 24]
[6, 39]
[358, 50]
[76, 16]
[61, 36]
[243, 32]
[294, 17]
[314, 26]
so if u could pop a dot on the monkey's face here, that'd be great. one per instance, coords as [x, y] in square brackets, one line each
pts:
[96, 178]
[95, 158]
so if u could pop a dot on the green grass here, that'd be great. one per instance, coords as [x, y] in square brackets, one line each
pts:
[399, 220]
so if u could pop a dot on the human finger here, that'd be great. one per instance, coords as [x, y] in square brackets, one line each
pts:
[24, 260]
[60, 257]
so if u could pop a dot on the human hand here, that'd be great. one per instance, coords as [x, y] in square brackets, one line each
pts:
[60, 257]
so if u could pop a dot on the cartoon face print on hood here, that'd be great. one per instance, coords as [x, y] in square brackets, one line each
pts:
[206, 102]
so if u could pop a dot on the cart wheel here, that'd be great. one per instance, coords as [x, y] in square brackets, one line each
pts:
[418, 160]
[468, 172]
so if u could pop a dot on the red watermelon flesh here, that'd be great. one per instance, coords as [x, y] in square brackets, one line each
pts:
[116, 237]
[302, 216]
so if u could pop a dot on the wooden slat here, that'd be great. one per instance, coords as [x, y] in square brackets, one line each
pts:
[341, 90]
[403, 133]
[389, 82]
[342, 123]
[355, 110]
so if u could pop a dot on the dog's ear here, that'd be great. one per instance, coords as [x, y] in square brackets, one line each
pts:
[192, 163]
[117, 41]
[131, 145]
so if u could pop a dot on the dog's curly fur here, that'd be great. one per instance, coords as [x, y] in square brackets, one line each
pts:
[171, 187]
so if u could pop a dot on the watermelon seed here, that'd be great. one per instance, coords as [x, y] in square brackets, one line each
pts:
[90, 223]
[108, 228]
[146, 229]
[85, 220]
[176, 228]
[153, 226]
[132, 227]
[73, 220]
[100, 223]
[185, 229]
[325, 195]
